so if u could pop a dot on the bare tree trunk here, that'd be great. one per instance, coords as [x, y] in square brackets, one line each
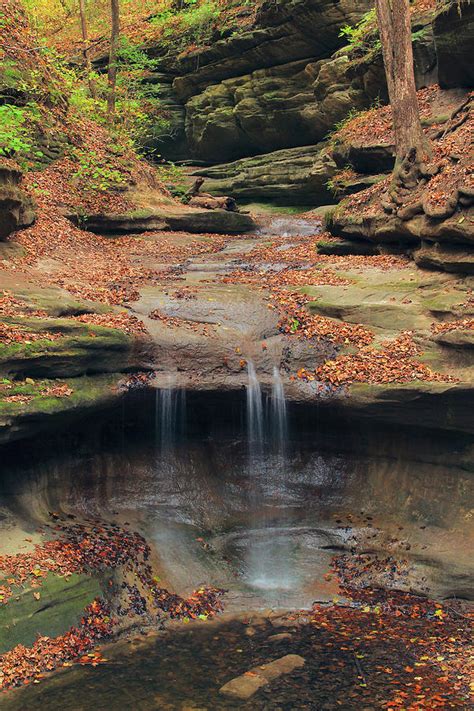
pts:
[85, 49]
[393, 17]
[112, 73]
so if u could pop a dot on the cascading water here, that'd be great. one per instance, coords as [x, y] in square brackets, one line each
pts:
[278, 415]
[255, 433]
[267, 434]
[170, 416]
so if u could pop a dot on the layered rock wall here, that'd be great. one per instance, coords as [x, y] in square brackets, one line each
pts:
[16, 208]
[284, 84]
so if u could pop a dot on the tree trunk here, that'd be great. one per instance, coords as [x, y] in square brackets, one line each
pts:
[112, 73]
[393, 17]
[85, 49]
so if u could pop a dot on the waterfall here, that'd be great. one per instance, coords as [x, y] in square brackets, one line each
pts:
[268, 551]
[254, 413]
[170, 415]
[274, 426]
[278, 416]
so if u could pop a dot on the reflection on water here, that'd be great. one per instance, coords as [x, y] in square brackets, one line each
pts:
[199, 507]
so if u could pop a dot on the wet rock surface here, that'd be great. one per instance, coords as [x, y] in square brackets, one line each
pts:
[204, 328]
[245, 686]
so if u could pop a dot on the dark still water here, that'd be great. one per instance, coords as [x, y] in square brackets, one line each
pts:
[242, 510]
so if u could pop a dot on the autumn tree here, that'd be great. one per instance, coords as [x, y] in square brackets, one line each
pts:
[394, 23]
[113, 57]
[86, 49]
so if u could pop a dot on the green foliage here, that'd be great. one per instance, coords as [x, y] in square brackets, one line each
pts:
[199, 19]
[294, 325]
[93, 174]
[363, 38]
[194, 24]
[332, 186]
[139, 118]
[170, 173]
[419, 34]
[173, 177]
[17, 128]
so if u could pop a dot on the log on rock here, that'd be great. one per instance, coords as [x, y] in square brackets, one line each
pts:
[209, 202]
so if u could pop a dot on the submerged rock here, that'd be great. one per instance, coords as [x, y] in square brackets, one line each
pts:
[245, 686]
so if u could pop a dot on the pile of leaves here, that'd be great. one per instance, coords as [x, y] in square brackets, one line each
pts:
[383, 262]
[424, 665]
[301, 253]
[393, 362]
[91, 266]
[375, 125]
[12, 306]
[17, 334]
[122, 321]
[286, 277]
[463, 324]
[297, 321]
[450, 164]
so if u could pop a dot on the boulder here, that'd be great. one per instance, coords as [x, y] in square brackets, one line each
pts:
[437, 244]
[16, 207]
[447, 258]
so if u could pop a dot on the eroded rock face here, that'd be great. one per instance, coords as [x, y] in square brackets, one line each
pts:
[16, 208]
[254, 93]
[290, 176]
[454, 37]
[280, 84]
[284, 32]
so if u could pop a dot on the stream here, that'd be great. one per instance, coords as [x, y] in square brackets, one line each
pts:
[242, 489]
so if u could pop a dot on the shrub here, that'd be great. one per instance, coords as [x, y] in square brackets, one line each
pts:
[17, 128]
[93, 174]
[363, 38]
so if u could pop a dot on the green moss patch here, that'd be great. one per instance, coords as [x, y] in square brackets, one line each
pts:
[59, 604]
